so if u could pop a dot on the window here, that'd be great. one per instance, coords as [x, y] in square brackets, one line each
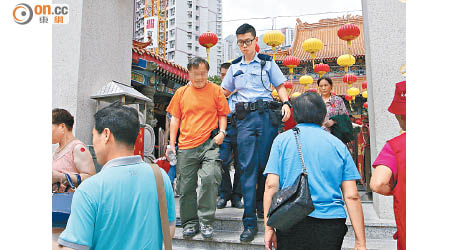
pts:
[197, 8]
[189, 3]
[189, 45]
[196, 17]
[196, 38]
[172, 44]
[197, 28]
[190, 25]
[172, 12]
[196, 48]
[189, 35]
[172, 21]
[172, 56]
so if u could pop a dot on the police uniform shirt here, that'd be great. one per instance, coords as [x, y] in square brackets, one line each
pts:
[246, 79]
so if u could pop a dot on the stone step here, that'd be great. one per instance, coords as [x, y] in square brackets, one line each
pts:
[374, 230]
[230, 241]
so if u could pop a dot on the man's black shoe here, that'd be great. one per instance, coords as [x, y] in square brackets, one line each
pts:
[237, 204]
[221, 203]
[190, 231]
[260, 214]
[248, 234]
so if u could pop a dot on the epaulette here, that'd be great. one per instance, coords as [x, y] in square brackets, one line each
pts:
[237, 60]
[264, 57]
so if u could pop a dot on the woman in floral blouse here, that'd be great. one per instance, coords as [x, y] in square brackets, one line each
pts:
[335, 105]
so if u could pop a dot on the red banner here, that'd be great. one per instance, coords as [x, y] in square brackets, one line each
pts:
[139, 145]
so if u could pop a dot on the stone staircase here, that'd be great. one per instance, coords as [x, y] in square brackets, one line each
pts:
[228, 227]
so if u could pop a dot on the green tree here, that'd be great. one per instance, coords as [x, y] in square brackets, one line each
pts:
[215, 79]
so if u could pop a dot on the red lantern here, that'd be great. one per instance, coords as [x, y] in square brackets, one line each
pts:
[358, 121]
[321, 69]
[348, 32]
[366, 105]
[257, 48]
[208, 40]
[349, 79]
[312, 90]
[348, 98]
[291, 62]
[288, 85]
[364, 85]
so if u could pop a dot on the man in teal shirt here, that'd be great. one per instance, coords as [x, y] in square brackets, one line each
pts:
[118, 207]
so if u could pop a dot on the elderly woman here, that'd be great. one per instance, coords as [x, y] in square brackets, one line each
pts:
[334, 104]
[72, 156]
[330, 169]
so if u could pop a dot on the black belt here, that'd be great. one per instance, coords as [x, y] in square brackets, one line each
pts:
[228, 120]
[252, 106]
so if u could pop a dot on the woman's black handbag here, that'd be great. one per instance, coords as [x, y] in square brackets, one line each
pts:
[292, 204]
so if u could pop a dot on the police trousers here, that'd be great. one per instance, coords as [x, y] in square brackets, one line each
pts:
[228, 152]
[255, 134]
[204, 162]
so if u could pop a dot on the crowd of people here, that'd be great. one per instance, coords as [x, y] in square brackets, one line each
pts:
[210, 128]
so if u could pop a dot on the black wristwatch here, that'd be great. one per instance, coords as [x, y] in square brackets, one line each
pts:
[288, 103]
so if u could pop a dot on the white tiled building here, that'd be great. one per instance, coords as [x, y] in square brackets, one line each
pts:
[288, 36]
[186, 21]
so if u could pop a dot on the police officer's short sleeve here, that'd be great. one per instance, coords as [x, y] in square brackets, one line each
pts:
[276, 76]
[228, 81]
[80, 226]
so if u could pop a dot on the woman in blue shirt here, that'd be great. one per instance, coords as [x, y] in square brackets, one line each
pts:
[330, 169]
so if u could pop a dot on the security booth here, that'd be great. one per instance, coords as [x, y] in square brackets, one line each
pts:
[115, 91]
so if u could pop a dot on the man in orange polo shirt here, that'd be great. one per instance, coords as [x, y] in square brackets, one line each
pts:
[197, 110]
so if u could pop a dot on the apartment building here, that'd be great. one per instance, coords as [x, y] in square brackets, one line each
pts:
[186, 21]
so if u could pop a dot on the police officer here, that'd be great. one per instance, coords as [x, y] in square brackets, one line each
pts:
[228, 151]
[258, 119]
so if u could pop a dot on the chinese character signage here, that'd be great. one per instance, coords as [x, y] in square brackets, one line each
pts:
[151, 30]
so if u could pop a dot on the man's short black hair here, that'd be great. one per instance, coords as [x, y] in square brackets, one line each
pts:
[121, 120]
[309, 108]
[246, 28]
[196, 61]
[60, 116]
[225, 65]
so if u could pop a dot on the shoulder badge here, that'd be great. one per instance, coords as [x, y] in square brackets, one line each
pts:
[237, 60]
[264, 57]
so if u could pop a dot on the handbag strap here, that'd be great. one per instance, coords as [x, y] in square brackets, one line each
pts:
[78, 179]
[299, 146]
[162, 202]
[70, 183]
